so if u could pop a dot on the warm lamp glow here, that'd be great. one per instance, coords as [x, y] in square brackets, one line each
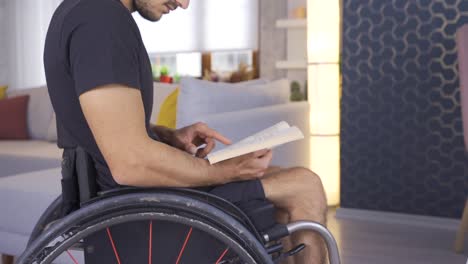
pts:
[323, 44]
[325, 157]
[323, 24]
[324, 99]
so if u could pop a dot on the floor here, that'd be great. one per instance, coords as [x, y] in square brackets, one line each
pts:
[365, 242]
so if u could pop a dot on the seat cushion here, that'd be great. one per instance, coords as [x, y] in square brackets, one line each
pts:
[30, 148]
[24, 197]
[14, 165]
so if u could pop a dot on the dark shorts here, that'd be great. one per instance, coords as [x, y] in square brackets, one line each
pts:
[131, 239]
[238, 192]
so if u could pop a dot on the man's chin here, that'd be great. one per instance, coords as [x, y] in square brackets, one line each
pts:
[152, 17]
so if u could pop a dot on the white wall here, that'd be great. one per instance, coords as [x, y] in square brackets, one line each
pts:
[298, 75]
[26, 23]
[272, 40]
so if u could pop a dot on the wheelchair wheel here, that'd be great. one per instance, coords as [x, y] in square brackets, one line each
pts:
[189, 229]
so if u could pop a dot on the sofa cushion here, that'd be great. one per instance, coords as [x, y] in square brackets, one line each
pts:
[39, 110]
[3, 90]
[199, 98]
[13, 115]
[30, 148]
[14, 165]
[160, 93]
[168, 113]
[29, 195]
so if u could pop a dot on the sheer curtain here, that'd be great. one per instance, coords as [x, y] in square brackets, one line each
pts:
[207, 25]
[26, 23]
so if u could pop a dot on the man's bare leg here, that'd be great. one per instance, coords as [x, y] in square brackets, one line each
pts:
[299, 192]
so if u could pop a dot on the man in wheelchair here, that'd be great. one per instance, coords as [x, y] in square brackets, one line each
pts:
[100, 83]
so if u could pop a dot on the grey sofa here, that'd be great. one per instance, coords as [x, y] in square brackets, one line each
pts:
[30, 173]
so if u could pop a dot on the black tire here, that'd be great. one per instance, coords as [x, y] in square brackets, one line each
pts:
[145, 206]
[52, 213]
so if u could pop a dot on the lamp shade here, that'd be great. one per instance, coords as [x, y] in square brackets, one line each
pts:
[323, 48]
[325, 160]
[323, 31]
[324, 99]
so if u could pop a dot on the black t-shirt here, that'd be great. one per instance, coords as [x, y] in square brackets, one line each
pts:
[91, 43]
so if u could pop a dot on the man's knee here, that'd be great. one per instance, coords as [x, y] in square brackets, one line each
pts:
[309, 180]
[293, 186]
[310, 187]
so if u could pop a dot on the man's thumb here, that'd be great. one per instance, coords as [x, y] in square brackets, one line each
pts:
[190, 148]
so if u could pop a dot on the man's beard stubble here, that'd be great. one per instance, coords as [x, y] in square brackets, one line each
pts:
[143, 8]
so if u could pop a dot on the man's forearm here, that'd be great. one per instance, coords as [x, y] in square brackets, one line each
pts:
[164, 133]
[153, 164]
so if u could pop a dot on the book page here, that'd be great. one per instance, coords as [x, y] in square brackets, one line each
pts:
[271, 130]
[266, 139]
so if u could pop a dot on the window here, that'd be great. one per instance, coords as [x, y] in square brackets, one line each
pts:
[182, 64]
[206, 26]
[226, 28]
[230, 61]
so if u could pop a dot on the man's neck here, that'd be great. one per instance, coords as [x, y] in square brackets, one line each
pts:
[128, 4]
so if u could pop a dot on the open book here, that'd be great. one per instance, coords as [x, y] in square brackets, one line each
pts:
[269, 138]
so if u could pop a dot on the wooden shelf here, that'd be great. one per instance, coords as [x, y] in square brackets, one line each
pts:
[292, 65]
[292, 23]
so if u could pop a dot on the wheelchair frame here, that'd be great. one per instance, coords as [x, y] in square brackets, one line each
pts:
[212, 211]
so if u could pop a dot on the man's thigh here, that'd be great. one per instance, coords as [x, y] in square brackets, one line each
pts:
[286, 187]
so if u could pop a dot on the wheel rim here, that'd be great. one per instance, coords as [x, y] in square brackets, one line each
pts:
[102, 225]
[136, 204]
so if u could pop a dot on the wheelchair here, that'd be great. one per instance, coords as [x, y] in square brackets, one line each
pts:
[184, 225]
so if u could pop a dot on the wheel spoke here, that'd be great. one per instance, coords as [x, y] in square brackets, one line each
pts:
[72, 258]
[150, 251]
[222, 255]
[185, 245]
[113, 246]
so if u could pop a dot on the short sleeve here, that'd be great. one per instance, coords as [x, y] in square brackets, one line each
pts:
[103, 53]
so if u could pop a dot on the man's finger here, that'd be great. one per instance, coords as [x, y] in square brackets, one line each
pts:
[208, 132]
[210, 145]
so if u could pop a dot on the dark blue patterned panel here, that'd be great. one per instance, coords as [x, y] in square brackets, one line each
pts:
[401, 136]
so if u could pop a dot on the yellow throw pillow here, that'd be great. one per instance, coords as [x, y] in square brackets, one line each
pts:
[168, 113]
[3, 90]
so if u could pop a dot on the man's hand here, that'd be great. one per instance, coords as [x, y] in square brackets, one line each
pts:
[190, 138]
[249, 166]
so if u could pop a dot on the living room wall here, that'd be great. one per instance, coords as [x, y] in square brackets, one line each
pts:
[401, 138]
[272, 42]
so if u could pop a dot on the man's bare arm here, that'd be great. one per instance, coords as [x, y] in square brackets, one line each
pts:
[115, 115]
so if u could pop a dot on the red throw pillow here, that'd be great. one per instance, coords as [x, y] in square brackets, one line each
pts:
[13, 118]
